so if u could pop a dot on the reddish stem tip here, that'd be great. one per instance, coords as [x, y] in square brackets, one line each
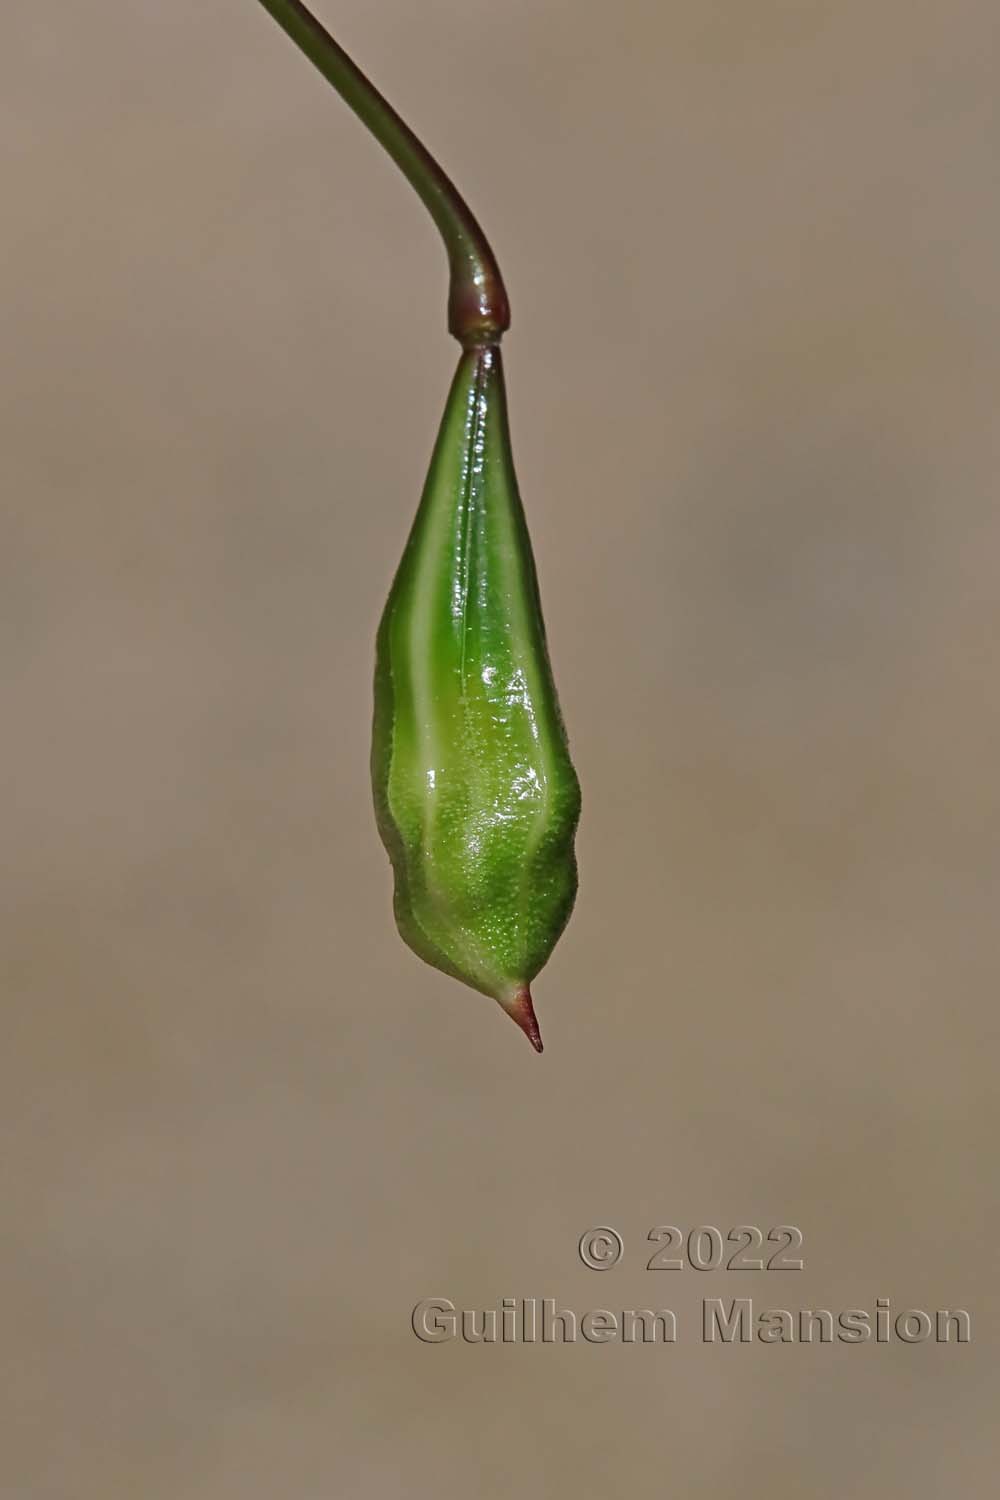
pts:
[521, 1010]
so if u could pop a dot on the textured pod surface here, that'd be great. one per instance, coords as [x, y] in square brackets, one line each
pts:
[476, 798]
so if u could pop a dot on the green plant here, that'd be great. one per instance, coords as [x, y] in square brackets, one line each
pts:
[475, 795]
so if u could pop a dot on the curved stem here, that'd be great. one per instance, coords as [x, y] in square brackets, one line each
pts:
[478, 311]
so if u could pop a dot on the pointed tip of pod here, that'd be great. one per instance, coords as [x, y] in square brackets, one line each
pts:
[521, 1010]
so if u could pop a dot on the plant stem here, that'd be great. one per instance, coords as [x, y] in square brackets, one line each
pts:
[478, 311]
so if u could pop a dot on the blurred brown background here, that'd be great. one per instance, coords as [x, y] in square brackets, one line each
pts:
[754, 368]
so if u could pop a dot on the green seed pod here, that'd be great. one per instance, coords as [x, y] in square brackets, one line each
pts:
[476, 798]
